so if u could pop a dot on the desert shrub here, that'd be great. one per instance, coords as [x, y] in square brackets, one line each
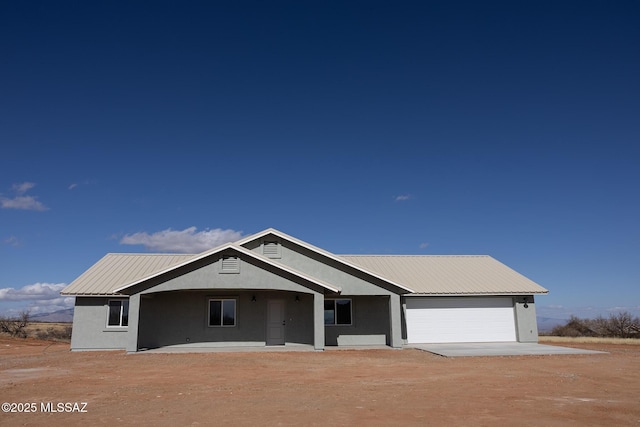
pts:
[57, 334]
[623, 325]
[15, 326]
[575, 327]
[600, 326]
[620, 325]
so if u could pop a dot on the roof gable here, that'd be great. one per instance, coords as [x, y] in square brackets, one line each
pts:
[134, 269]
[322, 252]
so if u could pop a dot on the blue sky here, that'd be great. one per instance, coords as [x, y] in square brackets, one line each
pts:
[503, 128]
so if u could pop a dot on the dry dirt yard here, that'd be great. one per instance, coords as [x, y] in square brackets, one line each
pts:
[346, 387]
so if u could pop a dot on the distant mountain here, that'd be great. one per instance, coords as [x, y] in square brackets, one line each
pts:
[57, 316]
[546, 324]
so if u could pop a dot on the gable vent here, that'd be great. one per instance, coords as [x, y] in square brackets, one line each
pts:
[271, 249]
[230, 264]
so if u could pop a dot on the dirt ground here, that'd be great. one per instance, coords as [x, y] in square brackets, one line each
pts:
[342, 387]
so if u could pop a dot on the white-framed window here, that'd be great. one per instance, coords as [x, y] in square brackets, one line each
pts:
[222, 312]
[118, 313]
[337, 312]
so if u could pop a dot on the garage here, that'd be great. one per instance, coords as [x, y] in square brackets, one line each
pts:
[460, 319]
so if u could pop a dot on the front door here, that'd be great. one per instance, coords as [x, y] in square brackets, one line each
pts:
[275, 322]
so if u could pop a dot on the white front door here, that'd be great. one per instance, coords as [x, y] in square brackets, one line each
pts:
[275, 322]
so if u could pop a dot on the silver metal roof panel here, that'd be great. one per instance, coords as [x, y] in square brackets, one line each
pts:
[449, 274]
[116, 270]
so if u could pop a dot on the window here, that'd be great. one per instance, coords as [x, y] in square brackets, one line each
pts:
[118, 313]
[222, 312]
[337, 312]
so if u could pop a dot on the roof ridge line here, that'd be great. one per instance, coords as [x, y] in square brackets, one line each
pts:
[415, 255]
[150, 253]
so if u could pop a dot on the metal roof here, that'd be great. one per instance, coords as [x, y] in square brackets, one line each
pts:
[416, 274]
[116, 270]
[449, 274]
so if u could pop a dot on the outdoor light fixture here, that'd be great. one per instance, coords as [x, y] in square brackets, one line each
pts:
[526, 305]
[253, 298]
[297, 298]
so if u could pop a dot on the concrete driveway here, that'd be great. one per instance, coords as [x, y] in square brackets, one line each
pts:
[498, 349]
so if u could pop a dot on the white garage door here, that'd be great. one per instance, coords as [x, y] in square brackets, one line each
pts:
[440, 320]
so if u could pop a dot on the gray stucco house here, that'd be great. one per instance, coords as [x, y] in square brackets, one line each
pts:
[273, 289]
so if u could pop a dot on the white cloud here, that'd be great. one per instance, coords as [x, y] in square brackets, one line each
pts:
[35, 299]
[20, 201]
[38, 307]
[50, 306]
[13, 241]
[183, 241]
[28, 203]
[23, 187]
[72, 186]
[37, 291]
[424, 245]
[403, 197]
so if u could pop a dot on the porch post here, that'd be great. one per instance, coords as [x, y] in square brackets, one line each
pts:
[134, 315]
[395, 321]
[318, 321]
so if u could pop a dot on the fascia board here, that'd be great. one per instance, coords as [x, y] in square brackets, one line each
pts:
[473, 294]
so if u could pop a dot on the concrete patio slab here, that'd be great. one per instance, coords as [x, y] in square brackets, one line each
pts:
[186, 348]
[498, 349]
[181, 348]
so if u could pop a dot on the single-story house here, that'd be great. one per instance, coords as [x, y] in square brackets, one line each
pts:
[272, 289]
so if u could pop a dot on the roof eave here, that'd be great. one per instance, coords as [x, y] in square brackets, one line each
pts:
[472, 294]
[103, 294]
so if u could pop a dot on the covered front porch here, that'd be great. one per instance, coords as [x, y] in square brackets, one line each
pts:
[256, 318]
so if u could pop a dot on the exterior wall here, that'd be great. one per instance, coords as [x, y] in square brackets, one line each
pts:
[180, 318]
[370, 316]
[395, 321]
[134, 322]
[318, 321]
[90, 330]
[526, 320]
